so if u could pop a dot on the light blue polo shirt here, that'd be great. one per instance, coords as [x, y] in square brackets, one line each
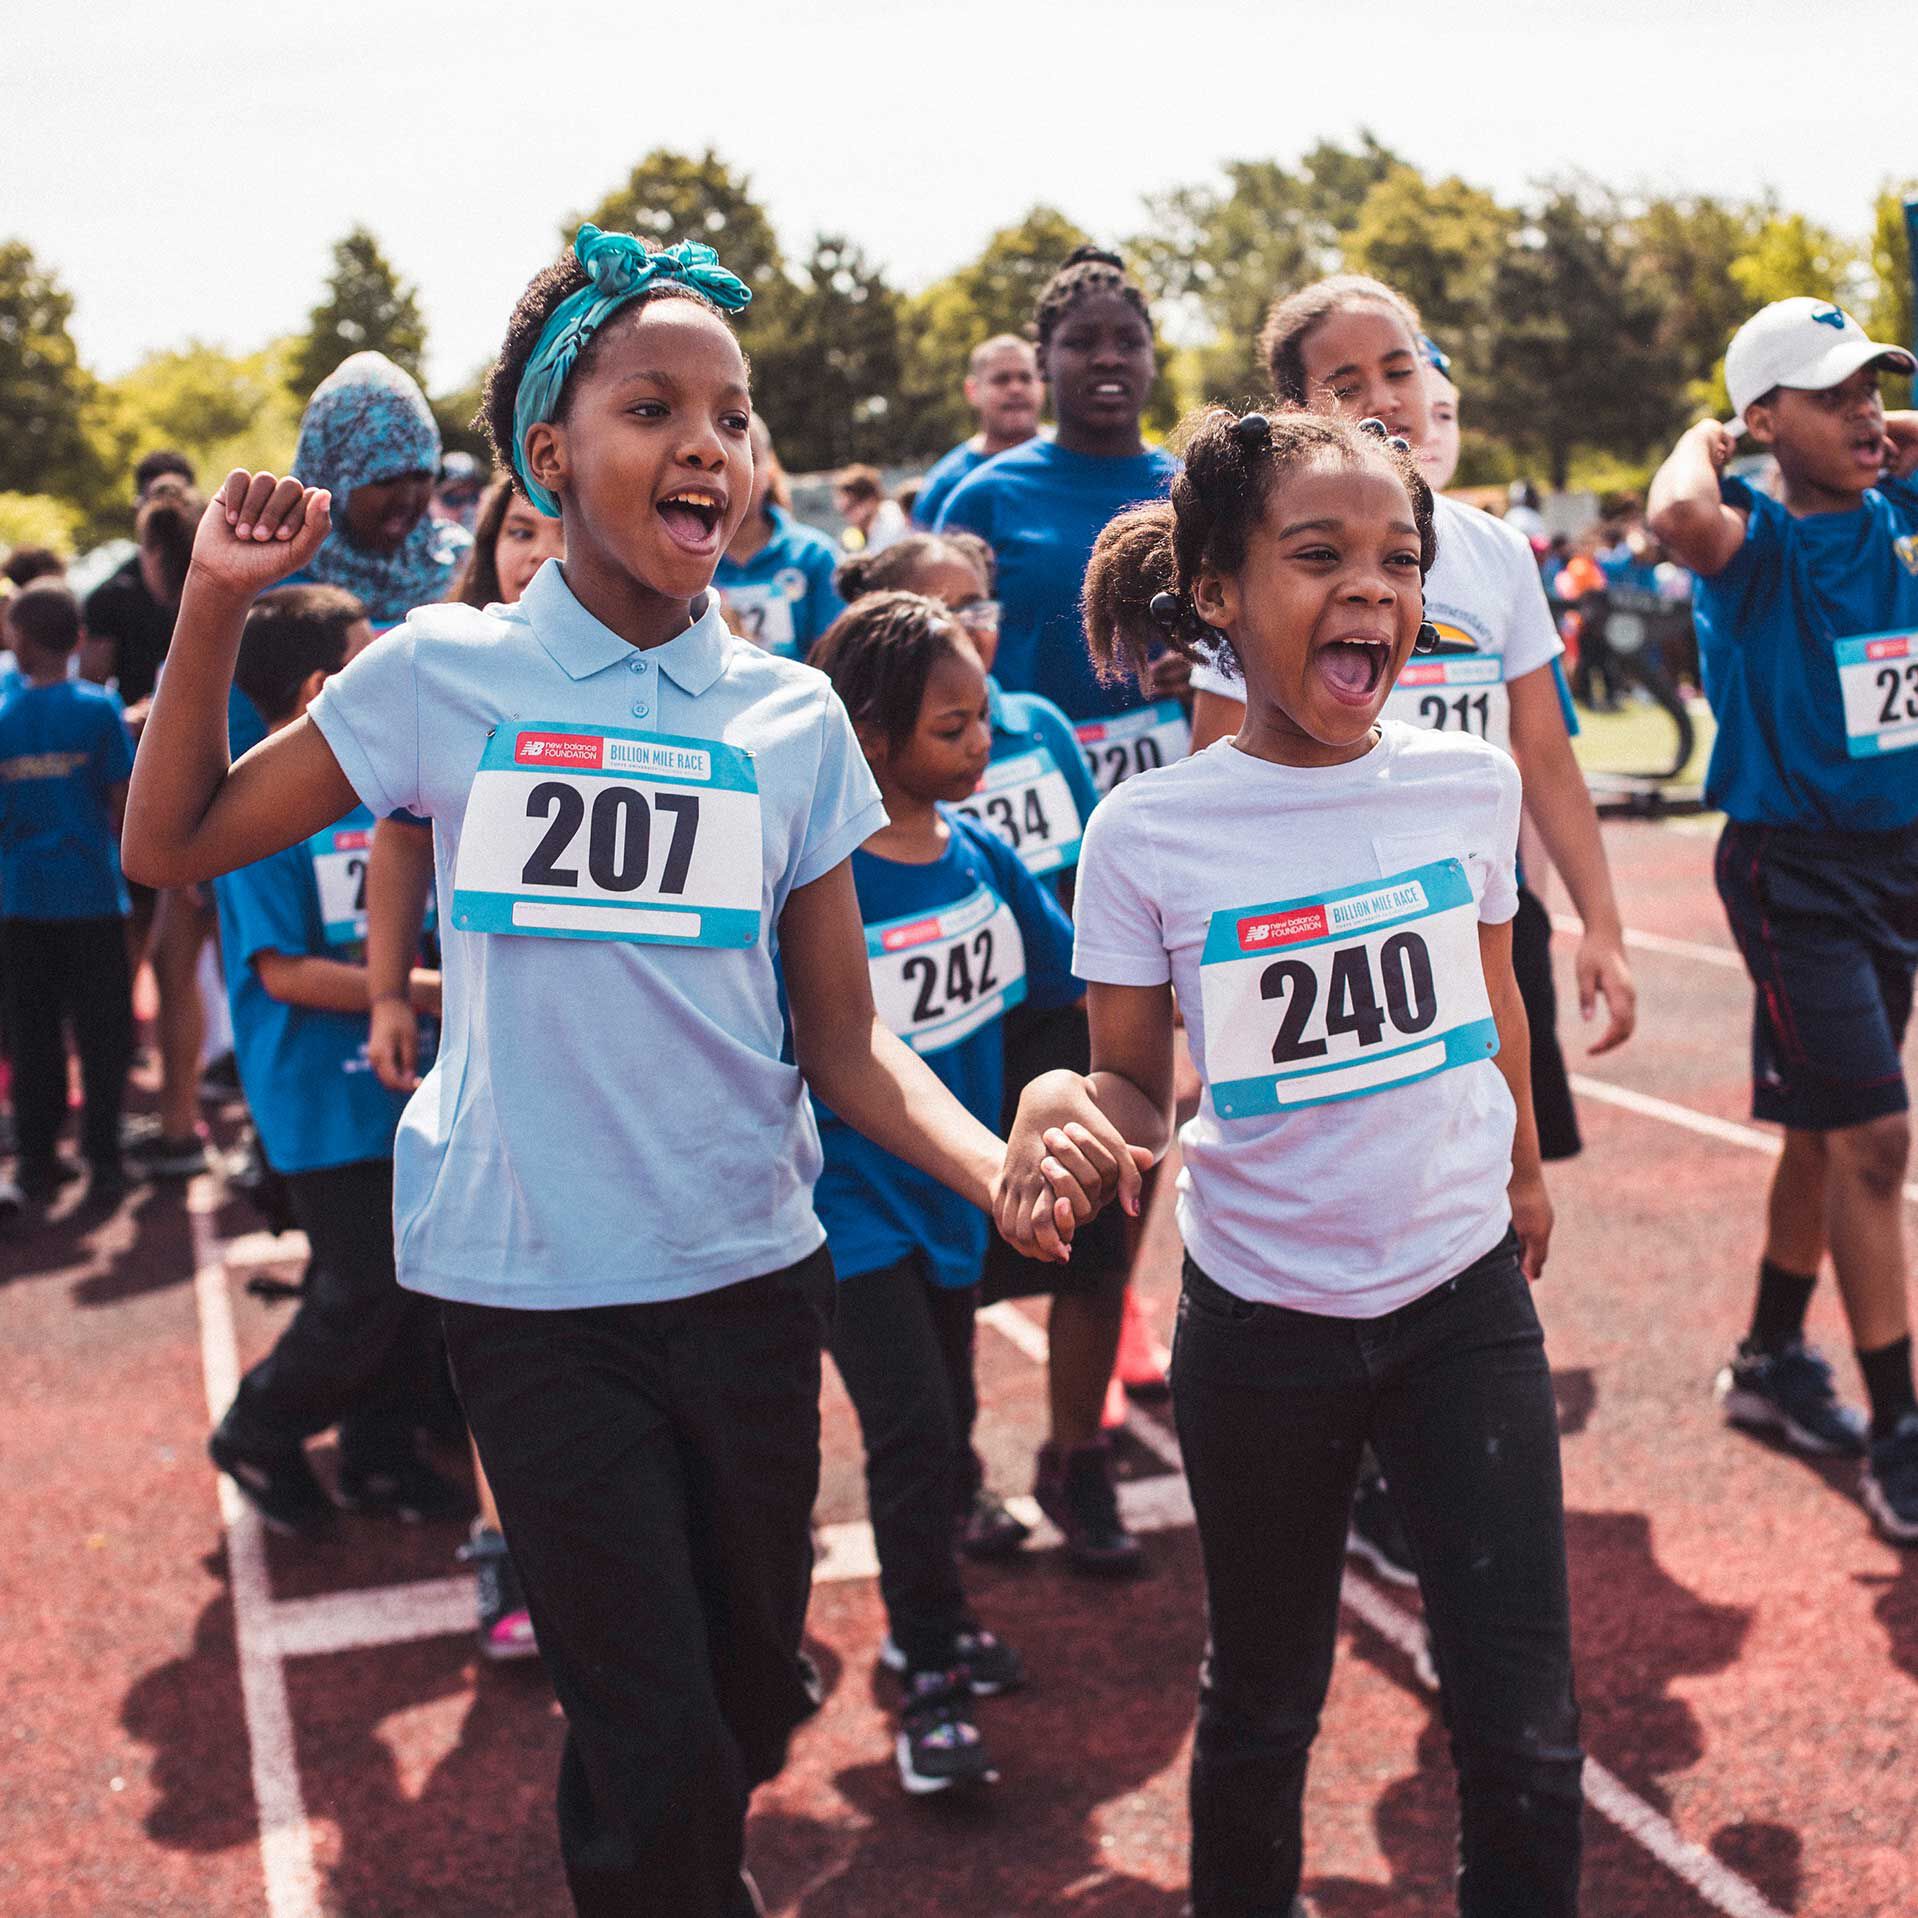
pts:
[608, 1122]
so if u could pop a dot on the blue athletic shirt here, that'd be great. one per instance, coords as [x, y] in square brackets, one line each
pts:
[946, 473]
[1024, 724]
[877, 1209]
[1770, 628]
[783, 597]
[62, 749]
[1040, 507]
[305, 1074]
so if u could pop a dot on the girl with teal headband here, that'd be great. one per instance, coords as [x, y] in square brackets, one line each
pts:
[606, 1178]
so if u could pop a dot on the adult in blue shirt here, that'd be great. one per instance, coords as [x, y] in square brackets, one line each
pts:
[775, 578]
[1041, 506]
[1003, 387]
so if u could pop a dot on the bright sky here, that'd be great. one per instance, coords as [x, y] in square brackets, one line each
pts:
[185, 167]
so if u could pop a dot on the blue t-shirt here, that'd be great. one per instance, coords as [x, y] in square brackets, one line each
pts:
[877, 1209]
[305, 1074]
[63, 748]
[783, 597]
[946, 473]
[1021, 799]
[244, 726]
[1772, 627]
[1040, 507]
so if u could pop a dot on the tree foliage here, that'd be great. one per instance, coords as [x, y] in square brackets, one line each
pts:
[1889, 316]
[366, 308]
[44, 390]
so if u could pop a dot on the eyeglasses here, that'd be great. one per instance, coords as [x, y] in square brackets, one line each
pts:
[979, 615]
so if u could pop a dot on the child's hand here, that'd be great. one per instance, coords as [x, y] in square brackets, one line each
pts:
[257, 530]
[1532, 1220]
[1064, 1161]
[1717, 439]
[1901, 445]
[393, 1045]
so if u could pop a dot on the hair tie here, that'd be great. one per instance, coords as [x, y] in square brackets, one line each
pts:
[1375, 427]
[619, 268]
[1165, 608]
[1428, 638]
[1435, 356]
[1252, 432]
[1399, 445]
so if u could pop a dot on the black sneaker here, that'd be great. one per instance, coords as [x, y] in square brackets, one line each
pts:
[988, 1529]
[1790, 1392]
[505, 1629]
[408, 1489]
[42, 1178]
[990, 1665]
[1376, 1533]
[280, 1486]
[938, 1745]
[159, 1157]
[1075, 1490]
[1890, 1482]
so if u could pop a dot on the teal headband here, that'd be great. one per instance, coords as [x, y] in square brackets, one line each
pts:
[619, 269]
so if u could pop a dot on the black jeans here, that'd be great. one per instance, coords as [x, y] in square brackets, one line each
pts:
[1454, 1391]
[903, 1345]
[655, 1468]
[356, 1353]
[56, 971]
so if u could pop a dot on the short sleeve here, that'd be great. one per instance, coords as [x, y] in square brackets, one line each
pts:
[823, 604]
[1119, 937]
[1056, 730]
[1043, 925]
[845, 809]
[1762, 517]
[113, 758]
[1531, 635]
[1220, 680]
[369, 715]
[1499, 901]
[267, 906]
[968, 507]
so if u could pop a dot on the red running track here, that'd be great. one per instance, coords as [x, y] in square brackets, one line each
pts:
[1748, 1649]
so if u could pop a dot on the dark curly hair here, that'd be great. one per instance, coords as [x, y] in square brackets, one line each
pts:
[1085, 270]
[1217, 501]
[1293, 316]
[894, 568]
[543, 293]
[880, 652]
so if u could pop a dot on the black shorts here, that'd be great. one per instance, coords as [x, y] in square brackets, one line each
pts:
[1057, 1040]
[1558, 1136]
[1828, 926]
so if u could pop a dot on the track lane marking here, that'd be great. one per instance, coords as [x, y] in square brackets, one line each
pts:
[1724, 957]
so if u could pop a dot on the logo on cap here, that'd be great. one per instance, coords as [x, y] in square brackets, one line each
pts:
[1831, 317]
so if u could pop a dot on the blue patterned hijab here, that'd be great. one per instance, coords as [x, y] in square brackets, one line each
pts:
[369, 421]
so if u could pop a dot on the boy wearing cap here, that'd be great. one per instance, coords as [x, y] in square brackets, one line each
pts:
[1807, 615]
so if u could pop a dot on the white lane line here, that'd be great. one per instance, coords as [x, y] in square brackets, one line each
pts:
[1717, 1884]
[1722, 956]
[286, 1838]
[376, 1615]
[1708, 1125]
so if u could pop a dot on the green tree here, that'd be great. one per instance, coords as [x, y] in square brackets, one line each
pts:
[1575, 355]
[366, 309]
[1683, 252]
[453, 413]
[1438, 242]
[1790, 255]
[1889, 316]
[44, 390]
[826, 377]
[994, 293]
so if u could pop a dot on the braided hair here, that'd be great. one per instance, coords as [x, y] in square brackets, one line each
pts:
[1138, 587]
[894, 568]
[1085, 270]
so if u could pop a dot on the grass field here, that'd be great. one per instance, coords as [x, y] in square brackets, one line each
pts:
[1639, 739]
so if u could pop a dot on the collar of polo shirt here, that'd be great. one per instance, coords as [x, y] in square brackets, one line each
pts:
[580, 646]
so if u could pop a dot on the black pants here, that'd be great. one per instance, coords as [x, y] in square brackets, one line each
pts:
[1558, 1135]
[903, 1345]
[356, 1352]
[59, 971]
[1273, 1407]
[655, 1468]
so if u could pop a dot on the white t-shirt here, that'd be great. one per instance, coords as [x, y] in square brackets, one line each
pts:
[1201, 873]
[1485, 597]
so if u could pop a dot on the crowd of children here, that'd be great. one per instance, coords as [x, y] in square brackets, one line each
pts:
[637, 852]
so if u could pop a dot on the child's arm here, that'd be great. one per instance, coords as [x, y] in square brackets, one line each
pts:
[1684, 509]
[1531, 1207]
[192, 813]
[1560, 804]
[334, 985]
[875, 1082]
[1074, 1126]
[399, 874]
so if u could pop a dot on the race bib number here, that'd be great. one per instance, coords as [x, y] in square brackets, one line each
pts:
[1878, 675]
[581, 833]
[937, 977]
[764, 613]
[1312, 1000]
[1025, 799]
[340, 856]
[1134, 742]
[1460, 695]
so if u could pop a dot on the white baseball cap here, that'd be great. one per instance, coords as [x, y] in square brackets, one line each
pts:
[1809, 344]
